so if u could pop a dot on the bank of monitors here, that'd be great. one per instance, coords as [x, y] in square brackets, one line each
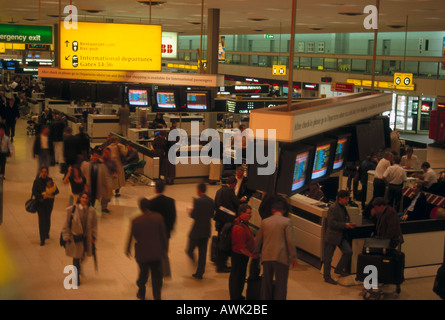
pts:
[197, 101]
[341, 150]
[166, 100]
[295, 167]
[324, 154]
[138, 97]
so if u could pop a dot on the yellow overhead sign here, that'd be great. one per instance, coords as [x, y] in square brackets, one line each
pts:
[279, 70]
[110, 46]
[403, 81]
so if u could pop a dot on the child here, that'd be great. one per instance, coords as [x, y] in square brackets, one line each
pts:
[51, 189]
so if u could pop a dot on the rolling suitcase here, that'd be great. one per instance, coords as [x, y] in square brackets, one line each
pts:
[390, 267]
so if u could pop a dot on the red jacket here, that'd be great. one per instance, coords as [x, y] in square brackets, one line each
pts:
[242, 237]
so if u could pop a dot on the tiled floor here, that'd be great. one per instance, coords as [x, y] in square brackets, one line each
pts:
[40, 270]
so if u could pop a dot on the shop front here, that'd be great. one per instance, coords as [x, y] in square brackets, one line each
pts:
[411, 113]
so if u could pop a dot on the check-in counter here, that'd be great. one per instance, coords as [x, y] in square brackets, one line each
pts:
[185, 122]
[308, 218]
[100, 125]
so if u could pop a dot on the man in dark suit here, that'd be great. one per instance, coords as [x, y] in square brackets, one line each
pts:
[202, 213]
[148, 230]
[414, 207]
[225, 197]
[337, 222]
[242, 192]
[165, 206]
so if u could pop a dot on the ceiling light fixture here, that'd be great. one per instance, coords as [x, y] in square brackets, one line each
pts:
[153, 2]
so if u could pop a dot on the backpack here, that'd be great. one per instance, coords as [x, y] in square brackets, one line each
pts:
[225, 238]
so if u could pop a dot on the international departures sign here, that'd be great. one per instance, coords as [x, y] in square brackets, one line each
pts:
[111, 46]
[26, 34]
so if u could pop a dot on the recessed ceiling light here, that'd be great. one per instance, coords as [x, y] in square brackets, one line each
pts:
[258, 30]
[193, 22]
[396, 26]
[257, 19]
[92, 10]
[152, 2]
[29, 19]
[350, 13]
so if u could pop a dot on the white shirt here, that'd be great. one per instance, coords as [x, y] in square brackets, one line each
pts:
[429, 178]
[395, 174]
[411, 163]
[381, 168]
[413, 202]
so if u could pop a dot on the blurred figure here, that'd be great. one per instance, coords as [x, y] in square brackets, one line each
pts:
[12, 114]
[315, 192]
[5, 150]
[118, 153]
[149, 231]
[428, 178]
[57, 128]
[202, 213]
[124, 119]
[80, 231]
[395, 176]
[387, 222]
[43, 148]
[243, 246]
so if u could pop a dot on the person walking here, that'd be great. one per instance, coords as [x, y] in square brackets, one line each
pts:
[124, 119]
[57, 128]
[45, 203]
[77, 181]
[71, 148]
[118, 153]
[274, 244]
[149, 231]
[80, 231]
[225, 197]
[5, 150]
[43, 148]
[202, 213]
[97, 177]
[112, 176]
[378, 183]
[243, 246]
[337, 222]
[12, 114]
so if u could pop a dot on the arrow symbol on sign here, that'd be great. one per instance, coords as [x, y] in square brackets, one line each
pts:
[66, 58]
[67, 43]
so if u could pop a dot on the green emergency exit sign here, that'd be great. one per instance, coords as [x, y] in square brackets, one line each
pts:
[26, 34]
[269, 36]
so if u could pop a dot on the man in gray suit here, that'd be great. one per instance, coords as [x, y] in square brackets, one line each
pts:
[337, 222]
[149, 232]
[274, 242]
[202, 213]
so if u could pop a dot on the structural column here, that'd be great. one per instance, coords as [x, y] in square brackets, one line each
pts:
[212, 55]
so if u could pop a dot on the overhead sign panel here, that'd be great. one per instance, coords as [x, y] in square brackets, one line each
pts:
[26, 34]
[403, 81]
[111, 46]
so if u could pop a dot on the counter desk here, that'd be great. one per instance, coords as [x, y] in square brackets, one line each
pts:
[100, 125]
[423, 240]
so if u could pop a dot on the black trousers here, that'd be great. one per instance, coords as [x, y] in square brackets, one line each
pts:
[237, 276]
[202, 253]
[379, 188]
[156, 278]
[395, 192]
[44, 210]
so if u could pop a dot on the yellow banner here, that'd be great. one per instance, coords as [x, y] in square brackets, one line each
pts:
[111, 46]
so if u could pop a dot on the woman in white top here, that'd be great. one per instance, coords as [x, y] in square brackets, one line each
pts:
[410, 161]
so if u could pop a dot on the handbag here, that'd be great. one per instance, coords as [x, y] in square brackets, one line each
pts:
[31, 205]
[61, 241]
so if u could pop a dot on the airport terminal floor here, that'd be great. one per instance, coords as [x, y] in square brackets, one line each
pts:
[39, 270]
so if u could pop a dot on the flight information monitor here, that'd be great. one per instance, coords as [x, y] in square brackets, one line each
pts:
[166, 99]
[197, 100]
[321, 161]
[301, 163]
[340, 153]
[137, 97]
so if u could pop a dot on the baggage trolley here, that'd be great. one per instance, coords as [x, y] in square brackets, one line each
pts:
[390, 265]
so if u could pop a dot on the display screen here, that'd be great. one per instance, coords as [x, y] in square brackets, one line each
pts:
[340, 153]
[10, 65]
[138, 97]
[321, 161]
[301, 163]
[166, 99]
[197, 100]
